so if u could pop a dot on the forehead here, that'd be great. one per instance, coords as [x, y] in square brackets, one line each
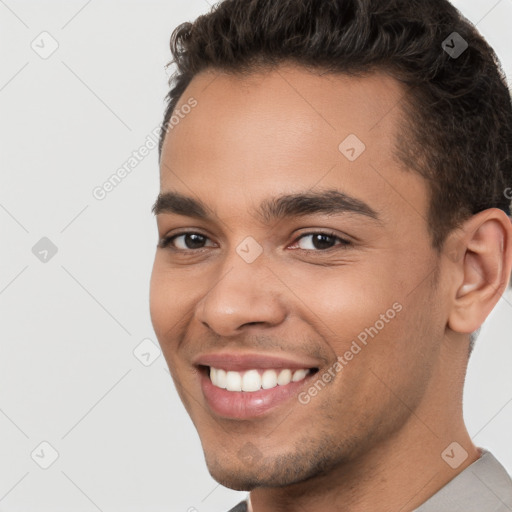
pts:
[288, 130]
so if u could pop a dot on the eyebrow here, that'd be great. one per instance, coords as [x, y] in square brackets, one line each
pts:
[330, 202]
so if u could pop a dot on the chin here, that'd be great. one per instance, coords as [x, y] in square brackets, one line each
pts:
[235, 478]
[282, 471]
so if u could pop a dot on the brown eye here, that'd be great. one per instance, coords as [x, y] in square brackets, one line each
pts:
[320, 241]
[187, 241]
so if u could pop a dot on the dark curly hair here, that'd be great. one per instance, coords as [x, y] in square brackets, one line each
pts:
[458, 129]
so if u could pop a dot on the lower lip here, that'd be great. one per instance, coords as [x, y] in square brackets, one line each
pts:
[244, 404]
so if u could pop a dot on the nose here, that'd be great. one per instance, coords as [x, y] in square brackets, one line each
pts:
[243, 295]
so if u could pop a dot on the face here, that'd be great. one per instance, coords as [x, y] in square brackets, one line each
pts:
[293, 292]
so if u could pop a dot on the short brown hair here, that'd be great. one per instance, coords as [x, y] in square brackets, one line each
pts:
[458, 129]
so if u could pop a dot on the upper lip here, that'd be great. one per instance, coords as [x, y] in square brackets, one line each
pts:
[247, 361]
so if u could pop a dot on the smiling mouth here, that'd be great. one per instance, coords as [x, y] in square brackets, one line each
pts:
[256, 379]
[243, 391]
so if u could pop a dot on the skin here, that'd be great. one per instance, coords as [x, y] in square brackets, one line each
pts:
[372, 438]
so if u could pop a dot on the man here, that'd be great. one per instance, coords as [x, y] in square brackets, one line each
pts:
[334, 227]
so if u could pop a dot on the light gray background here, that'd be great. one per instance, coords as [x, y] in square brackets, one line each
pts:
[68, 328]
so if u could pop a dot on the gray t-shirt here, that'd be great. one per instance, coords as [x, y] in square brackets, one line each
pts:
[484, 486]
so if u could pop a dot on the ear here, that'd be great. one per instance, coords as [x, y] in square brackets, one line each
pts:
[482, 269]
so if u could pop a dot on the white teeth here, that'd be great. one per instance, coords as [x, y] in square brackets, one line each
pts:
[284, 377]
[251, 381]
[221, 378]
[298, 375]
[233, 381]
[269, 379]
[254, 380]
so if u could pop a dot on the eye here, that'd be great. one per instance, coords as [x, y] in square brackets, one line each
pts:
[319, 241]
[186, 241]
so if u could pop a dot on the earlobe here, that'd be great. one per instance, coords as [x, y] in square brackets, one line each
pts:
[483, 270]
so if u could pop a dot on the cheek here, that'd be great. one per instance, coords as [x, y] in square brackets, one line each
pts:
[168, 301]
[344, 300]
[369, 326]
[170, 310]
[158, 298]
[385, 354]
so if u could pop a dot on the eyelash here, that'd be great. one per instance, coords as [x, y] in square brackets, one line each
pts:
[167, 241]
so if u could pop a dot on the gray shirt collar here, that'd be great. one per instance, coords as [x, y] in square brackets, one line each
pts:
[484, 486]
